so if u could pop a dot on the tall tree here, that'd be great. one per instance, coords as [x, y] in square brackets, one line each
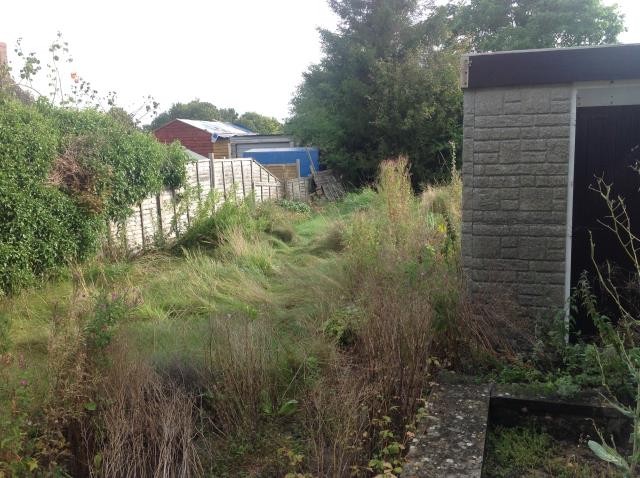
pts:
[197, 110]
[259, 123]
[388, 81]
[495, 25]
[384, 87]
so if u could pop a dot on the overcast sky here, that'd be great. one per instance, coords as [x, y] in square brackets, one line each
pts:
[245, 54]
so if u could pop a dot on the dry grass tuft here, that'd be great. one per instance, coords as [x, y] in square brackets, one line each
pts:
[240, 373]
[247, 250]
[70, 173]
[395, 344]
[336, 420]
[148, 424]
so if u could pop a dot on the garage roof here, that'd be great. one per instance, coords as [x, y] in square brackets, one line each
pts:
[218, 128]
[553, 65]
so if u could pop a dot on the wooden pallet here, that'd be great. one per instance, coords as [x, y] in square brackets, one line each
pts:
[327, 184]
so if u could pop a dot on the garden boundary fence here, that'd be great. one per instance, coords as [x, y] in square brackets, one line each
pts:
[166, 215]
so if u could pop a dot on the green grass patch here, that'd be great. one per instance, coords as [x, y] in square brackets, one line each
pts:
[531, 453]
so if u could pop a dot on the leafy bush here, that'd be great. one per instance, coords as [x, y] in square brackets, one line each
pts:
[65, 172]
[40, 227]
[173, 170]
[127, 164]
[295, 206]
[109, 310]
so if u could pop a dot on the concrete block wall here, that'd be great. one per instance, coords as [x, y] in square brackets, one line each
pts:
[515, 171]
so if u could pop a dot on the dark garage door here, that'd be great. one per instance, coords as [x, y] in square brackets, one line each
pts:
[607, 145]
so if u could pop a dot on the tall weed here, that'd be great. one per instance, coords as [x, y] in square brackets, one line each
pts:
[147, 426]
[390, 250]
[336, 419]
[241, 373]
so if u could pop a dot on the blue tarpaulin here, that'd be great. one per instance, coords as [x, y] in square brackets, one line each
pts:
[286, 156]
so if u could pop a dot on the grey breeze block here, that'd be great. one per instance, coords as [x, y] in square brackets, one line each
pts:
[515, 165]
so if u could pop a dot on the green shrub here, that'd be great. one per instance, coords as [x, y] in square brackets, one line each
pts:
[173, 170]
[124, 163]
[295, 206]
[109, 310]
[41, 229]
[64, 173]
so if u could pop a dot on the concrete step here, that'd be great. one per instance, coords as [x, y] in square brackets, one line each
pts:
[451, 439]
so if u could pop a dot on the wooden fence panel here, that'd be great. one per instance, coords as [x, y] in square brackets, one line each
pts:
[149, 221]
[298, 189]
[165, 198]
[165, 215]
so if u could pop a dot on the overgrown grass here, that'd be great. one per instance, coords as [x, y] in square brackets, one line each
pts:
[272, 339]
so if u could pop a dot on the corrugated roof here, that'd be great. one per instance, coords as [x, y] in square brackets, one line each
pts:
[218, 128]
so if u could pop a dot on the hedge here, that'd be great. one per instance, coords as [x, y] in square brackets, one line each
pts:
[63, 174]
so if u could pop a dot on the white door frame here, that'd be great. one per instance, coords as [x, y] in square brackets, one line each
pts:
[600, 93]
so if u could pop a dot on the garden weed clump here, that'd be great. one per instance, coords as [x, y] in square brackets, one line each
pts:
[516, 451]
[528, 451]
[146, 425]
[397, 271]
[295, 206]
[216, 220]
[215, 217]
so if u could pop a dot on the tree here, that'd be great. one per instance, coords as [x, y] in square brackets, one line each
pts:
[494, 25]
[385, 87]
[388, 82]
[203, 110]
[259, 124]
[197, 110]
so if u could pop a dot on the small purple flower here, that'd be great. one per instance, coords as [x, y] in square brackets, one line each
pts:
[24, 382]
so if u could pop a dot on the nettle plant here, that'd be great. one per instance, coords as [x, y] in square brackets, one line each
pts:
[623, 337]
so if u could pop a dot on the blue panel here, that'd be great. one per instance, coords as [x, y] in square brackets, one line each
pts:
[286, 156]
